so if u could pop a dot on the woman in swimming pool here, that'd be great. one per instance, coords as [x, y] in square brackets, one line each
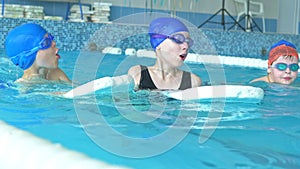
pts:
[171, 41]
[282, 64]
[31, 48]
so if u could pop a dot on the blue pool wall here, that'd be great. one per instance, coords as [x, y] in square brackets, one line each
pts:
[61, 8]
[74, 36]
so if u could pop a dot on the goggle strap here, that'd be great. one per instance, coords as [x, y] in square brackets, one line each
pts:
[173, 37]
[26, 53]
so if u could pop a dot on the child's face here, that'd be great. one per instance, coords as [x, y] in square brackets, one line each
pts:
[47, 58]
[286, 76]
[173, 53]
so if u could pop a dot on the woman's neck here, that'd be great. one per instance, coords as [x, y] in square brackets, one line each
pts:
[164, 71]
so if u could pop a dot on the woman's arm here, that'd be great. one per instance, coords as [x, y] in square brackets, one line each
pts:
[135, 73]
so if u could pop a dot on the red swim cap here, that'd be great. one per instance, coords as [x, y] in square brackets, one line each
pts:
[282, 49]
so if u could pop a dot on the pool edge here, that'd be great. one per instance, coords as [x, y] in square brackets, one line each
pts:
[21, 149]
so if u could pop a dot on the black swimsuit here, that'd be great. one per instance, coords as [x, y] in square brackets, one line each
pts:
[147, 83]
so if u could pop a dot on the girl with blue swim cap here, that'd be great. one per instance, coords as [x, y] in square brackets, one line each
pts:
[31, 48]
[171, 41]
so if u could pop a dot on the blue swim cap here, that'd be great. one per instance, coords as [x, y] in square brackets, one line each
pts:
[164, 26]
[23, 38]
[283, 42]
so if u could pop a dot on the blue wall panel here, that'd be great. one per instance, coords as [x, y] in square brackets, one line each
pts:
[72, 36]
[60, 9]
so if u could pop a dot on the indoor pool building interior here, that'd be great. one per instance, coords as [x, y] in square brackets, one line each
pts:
[117, 127]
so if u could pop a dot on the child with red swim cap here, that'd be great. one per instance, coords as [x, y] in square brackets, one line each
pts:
[282, 64]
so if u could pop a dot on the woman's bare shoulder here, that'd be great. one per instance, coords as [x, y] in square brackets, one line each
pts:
[134, 71]
[196, 80]
[264, 79]
[57, 74]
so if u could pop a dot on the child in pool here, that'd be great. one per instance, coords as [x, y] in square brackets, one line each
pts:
[31, 48]
[171, 41]
[282, 64]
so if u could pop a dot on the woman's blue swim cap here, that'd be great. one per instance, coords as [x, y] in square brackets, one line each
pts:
[164, 26]
[23, 38]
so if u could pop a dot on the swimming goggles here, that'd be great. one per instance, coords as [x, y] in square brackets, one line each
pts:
[45, 43]
[283, 66]
[177, 38]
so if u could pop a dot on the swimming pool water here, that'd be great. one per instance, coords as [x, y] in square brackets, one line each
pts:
[249, 135]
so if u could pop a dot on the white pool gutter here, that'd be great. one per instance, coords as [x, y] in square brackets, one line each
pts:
[22, 150]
